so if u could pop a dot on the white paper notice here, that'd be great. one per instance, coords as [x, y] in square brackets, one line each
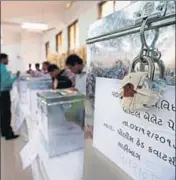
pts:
[44, 126]
[19, 117]
[30, 151]
[142, 144]
[34, 104]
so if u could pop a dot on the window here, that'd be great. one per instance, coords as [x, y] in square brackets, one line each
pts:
[73, 36]
[47, 49]
[108, 7]
[59, 42]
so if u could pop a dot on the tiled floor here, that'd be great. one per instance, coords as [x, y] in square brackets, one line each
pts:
[10, 161]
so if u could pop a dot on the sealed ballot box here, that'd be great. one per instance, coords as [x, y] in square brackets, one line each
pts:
[62, 117]
[27, 90]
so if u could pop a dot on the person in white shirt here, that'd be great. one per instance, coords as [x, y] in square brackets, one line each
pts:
[37, 72]
[43, 72]
[76, 65]
[80, 84]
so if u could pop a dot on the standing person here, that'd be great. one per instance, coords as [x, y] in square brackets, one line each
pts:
[44, 72]
[45, 66]
[29, 71]
[70, 75]
[60, 81]
[76, 65]
[6, 82]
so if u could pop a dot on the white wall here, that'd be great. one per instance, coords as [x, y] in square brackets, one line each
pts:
[12, 46]
[86, 13]
[32, 50]
[22, 47]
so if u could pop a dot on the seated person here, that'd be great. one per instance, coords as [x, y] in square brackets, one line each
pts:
[29, 71]
[60, 81]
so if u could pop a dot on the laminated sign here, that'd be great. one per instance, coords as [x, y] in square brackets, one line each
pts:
[142, 144]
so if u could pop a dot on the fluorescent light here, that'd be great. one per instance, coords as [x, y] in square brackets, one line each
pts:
[35, 26]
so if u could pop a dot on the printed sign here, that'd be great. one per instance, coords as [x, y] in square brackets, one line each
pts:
[142, 144]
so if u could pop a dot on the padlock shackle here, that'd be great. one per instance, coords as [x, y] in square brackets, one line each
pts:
[148, 60]
[161, 69]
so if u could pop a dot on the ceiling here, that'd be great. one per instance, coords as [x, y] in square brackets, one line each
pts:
[14, 13]
[56, 14]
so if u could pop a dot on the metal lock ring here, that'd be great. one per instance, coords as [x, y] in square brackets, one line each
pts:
[148, 50]
[161, 67]
[149, 61]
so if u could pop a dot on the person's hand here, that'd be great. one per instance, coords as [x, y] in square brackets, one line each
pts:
[18, 74]
[73, 89]
[55, 84]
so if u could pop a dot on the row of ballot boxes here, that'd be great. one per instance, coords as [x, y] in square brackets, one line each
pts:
[57, 115]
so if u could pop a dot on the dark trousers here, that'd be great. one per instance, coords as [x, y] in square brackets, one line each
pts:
[5, 112]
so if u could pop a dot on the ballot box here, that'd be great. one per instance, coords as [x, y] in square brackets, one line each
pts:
[62, 117]
[25, 100]
[112, 45]
[28, 88]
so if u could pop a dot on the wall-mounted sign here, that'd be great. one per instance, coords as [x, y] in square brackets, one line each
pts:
[142, 144]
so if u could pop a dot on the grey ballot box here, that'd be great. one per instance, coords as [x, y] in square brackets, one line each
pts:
[27, 84]
[27, 88]
[62, 117]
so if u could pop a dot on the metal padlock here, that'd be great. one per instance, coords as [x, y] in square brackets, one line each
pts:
[148, 60]
[151, 64]
[136, 90]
